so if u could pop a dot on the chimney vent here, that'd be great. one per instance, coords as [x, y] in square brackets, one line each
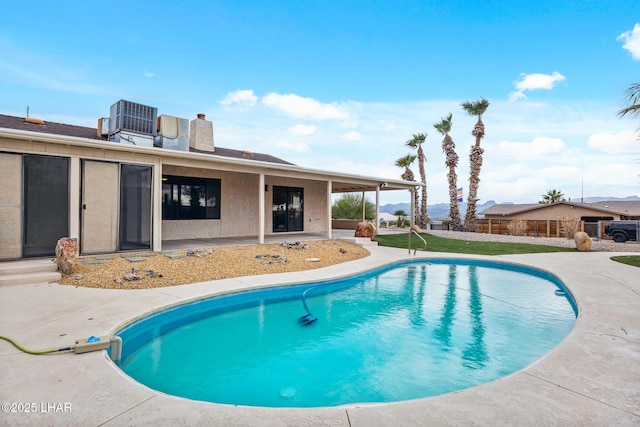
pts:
[201, 134]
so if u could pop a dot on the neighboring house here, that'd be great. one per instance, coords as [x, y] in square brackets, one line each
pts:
[116, 189]
[588, 212]
[594, 215]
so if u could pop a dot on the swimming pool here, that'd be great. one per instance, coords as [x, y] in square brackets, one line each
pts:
[411, 329]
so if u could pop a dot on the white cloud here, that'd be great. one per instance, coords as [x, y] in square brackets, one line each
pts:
[299, 147]
[534, 82]
[243, 97]
[615, 142]
[301, 107]
[351, 136]
[539, 147]
[149, 73]
[631, 41]
[303, 130]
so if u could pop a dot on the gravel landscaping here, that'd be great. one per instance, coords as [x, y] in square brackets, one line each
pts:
[153, 270]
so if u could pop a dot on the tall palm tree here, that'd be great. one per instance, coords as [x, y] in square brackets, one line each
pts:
[552, 196]
[408, 175]
[633, 101]
[451, 161]
[416, 143]
[475, 108]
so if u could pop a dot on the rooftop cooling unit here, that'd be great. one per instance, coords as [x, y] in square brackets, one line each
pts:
[131, 117]
[103, 127]
[173, 133]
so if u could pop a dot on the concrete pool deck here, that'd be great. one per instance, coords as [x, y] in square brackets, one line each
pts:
[591, 378]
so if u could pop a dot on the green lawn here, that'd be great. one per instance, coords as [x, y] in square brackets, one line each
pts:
[440, 244]
[633, 260]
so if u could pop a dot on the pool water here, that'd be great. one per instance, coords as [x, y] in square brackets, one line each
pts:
[409, 330]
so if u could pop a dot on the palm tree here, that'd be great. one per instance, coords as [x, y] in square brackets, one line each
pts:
[408, 175]
[416, 143]
[475, 108]
[451, 161]
[552, 196]
[633, 101]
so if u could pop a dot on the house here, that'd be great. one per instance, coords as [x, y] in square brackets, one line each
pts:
[593, 215]
[589, 212]
[139, 179]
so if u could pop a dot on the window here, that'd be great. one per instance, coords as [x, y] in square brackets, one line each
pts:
[190, 198]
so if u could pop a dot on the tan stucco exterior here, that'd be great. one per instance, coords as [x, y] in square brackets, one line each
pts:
[246, 191]
[554, 212]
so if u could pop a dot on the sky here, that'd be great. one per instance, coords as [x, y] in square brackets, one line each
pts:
[342, 85]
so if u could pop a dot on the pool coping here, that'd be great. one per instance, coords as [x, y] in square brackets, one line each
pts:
[591, 378]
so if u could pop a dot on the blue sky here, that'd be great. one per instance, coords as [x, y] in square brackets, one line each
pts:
[338, 85]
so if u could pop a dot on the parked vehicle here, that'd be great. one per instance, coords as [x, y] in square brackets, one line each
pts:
[621, 231]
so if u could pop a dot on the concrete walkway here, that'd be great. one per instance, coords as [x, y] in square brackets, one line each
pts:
[591, 378]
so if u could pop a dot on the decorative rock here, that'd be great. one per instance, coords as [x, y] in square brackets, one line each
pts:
[295, 245]
[79, 276]
[416, 228]
[365, 229]
[131, 277]
[583, 241]
[313, 259]
[66, 254]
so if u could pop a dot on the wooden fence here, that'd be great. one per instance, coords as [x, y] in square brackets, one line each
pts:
[540, 228]
[536, 228]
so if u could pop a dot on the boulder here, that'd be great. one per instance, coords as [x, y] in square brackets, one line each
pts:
[583, 241]
[416, 228]
[66, 254]
[365, 229]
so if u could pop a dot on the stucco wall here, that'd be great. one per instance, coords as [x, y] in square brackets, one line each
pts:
[315, 203]
[553, 213]
[10, 207]
[238, 210]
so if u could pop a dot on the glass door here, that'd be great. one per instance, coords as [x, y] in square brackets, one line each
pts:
[46, 204]
[288, 209]
[135, 207]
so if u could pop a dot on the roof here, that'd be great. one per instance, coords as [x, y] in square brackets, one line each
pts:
[624, 207]
[21, 123]
[225, 158]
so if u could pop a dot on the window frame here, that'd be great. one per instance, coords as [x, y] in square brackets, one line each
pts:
[179, 187]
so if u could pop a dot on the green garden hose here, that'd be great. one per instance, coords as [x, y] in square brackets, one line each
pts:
[26, 350]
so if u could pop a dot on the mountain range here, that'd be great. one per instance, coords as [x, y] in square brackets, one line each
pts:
[441, 210]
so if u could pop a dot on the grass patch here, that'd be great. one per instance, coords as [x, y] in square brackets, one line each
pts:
[441, 244]
[633, 260]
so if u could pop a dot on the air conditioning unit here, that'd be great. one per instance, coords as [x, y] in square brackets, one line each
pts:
[173, 133]
[127, 116]
[103, 127]
[132, 138]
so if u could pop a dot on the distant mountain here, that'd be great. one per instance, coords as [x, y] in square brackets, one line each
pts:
[605, 199]
[437, 211]
[441, 210]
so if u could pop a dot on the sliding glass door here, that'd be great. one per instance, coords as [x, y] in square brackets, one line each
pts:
[46, 204]
[135, 207]
[288, 209]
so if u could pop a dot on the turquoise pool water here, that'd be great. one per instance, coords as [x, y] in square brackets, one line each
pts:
[404, 331]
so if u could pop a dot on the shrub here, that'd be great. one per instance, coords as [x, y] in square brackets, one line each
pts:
[570, 225]
[517, 227]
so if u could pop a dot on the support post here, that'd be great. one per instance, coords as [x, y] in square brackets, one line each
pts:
[329, 219]
[261, 208]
